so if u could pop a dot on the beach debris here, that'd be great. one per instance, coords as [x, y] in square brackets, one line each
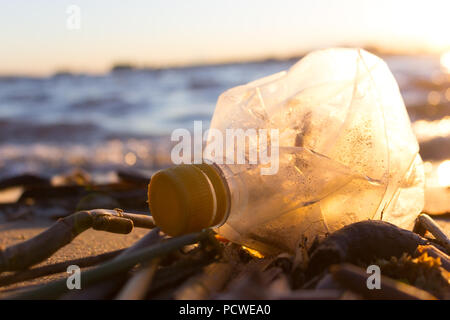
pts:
[168, 278]
[75, 177]
[355, 278]
[363, 241]
[328, 282]
[137, 286]
[203, 286]
[212, 268]
[284, 261]
[113, 267]
[24, 180]
[28, 274]
[113, 224]
[206, 266]
[64, 194]
[72, 197]
[42, 246]
[423, 271]
[434, 252]
[134, 177]
[425, 223]
[102, 290]
[301, 261]
[259, 278]
[139, 220]
[250, 284]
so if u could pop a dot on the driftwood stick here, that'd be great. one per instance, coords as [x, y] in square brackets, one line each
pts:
[111, 268]
[203, 286]
[247, 285]
[146, 241]
[136, 288]
[207, 249]
[328, 282]
[105, 290]
[42, 246]
[168, 277]
[139, 220]
[254, 280]
[32, 251]
[429, 224]
[113, 224]
[102, 290]
[57, 268]
[355, 279]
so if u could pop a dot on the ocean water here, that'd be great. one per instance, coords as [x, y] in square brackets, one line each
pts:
[124, 118]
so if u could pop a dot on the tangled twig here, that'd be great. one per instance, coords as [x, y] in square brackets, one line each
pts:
[25, 254]
[38, 272]
[111, 268]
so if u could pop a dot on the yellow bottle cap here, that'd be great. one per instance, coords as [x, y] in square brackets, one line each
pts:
[187, 198]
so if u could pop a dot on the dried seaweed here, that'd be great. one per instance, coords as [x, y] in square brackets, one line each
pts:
[424, 272]
[364, 242]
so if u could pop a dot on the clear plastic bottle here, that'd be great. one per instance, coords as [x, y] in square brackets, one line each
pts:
[346, 153]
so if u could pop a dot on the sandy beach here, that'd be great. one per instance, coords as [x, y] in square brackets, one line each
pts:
[90, 242]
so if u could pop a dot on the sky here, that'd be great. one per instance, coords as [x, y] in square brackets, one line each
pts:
[38, 36]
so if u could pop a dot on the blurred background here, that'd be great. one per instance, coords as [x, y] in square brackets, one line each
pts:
[99, 85]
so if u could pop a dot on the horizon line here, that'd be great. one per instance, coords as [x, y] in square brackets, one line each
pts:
[122, 64]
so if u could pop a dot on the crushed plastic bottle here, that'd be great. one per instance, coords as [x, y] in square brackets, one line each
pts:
[346, 153]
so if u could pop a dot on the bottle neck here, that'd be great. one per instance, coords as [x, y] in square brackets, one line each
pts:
[237, 190]
[221, 189]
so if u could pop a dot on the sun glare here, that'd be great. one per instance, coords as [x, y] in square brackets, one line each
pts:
[445, 61]
[253, 252]
[444, 173]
